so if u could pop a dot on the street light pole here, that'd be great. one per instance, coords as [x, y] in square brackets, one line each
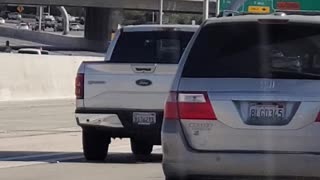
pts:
[161, 12]
[40, 17]
[205, 9]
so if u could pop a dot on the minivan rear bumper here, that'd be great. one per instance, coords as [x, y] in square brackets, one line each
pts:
[180, 160]
[227, 164]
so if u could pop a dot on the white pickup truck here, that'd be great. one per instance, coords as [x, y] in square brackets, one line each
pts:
[123, 96]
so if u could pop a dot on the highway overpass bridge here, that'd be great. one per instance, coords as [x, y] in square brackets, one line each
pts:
[188, 6]
[101, 17]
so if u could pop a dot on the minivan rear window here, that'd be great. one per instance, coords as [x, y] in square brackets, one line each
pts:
[254, 50]
[150, 47]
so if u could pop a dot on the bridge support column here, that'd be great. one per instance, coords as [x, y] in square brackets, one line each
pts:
[100, 23]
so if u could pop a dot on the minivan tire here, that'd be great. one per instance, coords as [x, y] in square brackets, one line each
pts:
[95, 145]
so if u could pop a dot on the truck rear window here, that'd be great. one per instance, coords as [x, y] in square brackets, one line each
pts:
[253, 50]
[150, 47]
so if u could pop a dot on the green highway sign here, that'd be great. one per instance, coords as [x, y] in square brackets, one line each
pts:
[268, 6]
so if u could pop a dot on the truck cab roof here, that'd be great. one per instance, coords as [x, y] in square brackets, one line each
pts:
[155, 27]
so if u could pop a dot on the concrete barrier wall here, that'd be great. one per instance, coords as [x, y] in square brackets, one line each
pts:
[34, 77]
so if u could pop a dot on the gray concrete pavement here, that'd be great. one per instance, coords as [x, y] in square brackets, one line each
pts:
[86, 171]
[40, 140]
[36, 115]
[19, 42]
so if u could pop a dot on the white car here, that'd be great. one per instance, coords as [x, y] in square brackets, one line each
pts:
[74, 27]
[48, 17]
[2, 21]
[14, 16]
[72, 18]
[23, 26]
[33, 51]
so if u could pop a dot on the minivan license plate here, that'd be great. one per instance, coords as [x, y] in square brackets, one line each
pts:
[270, 111]
[144, 118]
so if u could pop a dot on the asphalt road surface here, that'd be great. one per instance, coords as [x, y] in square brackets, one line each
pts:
[19, 42]
[40, 140]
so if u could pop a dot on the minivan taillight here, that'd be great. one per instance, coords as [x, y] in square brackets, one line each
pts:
[171, 107]
[318, 117]
[189, 105]
[79, 89]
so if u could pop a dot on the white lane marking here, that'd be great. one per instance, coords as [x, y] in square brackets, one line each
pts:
[31, 156]
[13, 164]
[68, 158]
[17, 161]
[122, 148]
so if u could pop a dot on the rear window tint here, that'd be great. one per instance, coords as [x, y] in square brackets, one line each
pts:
[150, 47]
[28, 52]
[253, 50]
[45, 52]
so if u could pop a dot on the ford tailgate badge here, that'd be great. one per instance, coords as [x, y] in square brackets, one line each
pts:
[143, 82]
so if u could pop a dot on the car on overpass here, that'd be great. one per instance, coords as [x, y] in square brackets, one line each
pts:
[35, 27]
[48, 17]
[4, 14]
[245, 100]
[75, 27]
[58, 27]
[14, 16]
[49, 23]
[123, 96]
[80, 20]
[2, 21]
[23, 26]
[33, 51]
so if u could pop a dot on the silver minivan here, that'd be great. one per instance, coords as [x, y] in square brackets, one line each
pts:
[246, 100]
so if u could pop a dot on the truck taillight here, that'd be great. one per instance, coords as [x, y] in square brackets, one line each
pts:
[79, 89]
[194, 106]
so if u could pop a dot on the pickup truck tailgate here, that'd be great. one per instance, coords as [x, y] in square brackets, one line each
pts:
[127, 86]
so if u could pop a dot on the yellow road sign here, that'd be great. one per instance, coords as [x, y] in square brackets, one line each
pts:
[20, 9]
[259, 9]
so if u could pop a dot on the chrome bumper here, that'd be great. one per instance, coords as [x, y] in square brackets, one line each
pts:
[99, 120]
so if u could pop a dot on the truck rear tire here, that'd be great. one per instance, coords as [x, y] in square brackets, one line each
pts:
[139, 147]
[95, 145]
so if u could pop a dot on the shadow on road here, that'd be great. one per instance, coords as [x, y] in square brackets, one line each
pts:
[74, 157]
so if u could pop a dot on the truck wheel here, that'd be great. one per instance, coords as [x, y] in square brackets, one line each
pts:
[95, 145]
[141, 147]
